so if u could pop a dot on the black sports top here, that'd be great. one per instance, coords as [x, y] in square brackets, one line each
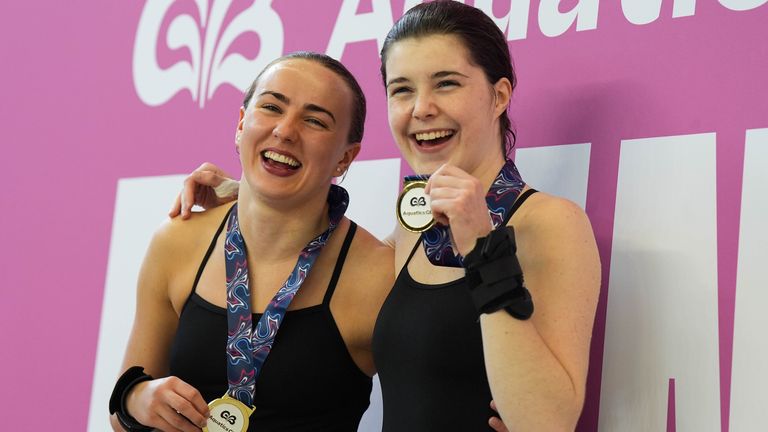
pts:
[428, 350]
[309, 381]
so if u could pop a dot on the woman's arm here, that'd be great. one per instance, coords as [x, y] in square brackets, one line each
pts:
[538, 368]
[155, 403]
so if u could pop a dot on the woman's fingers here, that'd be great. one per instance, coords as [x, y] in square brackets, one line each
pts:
[190, 404]
[495, 422]
[207, 186]
[168, 404]
[174, 420]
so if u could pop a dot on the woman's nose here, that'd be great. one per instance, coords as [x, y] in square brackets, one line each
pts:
[424, 106]
[285, 130]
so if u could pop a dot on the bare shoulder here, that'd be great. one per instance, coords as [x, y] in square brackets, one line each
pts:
[374, 255]
[548, 218]
[177, 241]
[368, 273]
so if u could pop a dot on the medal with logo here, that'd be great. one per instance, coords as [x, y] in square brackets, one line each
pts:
[248, 348]
[413, 210]
[504, 190]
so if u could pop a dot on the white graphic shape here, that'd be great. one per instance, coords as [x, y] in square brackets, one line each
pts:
[209, 65]
[141, 205]
[642, 12]
[350, 27]
[662, 296]
[742, 5]
[373, 187]
[554, 23]
[515, 22]
[561, 170]
[750, 346]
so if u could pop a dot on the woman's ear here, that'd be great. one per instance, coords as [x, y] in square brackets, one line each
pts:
[239, 129]
[350, 153]
[502, 92]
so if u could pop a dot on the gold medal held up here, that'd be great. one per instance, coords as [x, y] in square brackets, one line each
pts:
[228, 415]
[413, 210]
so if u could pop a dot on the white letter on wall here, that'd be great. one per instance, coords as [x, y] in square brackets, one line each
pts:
[357, 28]
[683, 8]
[553, 23]
[647, 11]
[742, 5]
[661, 321]
[750, 346]
[515, 22]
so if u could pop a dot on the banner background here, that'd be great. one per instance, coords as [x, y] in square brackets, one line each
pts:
[74, 124]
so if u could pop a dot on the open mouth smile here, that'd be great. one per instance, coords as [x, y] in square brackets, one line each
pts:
[432, 138]
[279, 160]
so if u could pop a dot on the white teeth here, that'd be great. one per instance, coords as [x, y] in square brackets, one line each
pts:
[277, 157]
[426, 136]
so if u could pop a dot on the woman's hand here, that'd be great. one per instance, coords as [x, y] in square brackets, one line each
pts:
[168, 404]
[207, 186]
[458, 200]
[495, 422]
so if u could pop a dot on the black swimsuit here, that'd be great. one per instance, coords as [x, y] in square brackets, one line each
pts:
[428, 350]
[309, 382]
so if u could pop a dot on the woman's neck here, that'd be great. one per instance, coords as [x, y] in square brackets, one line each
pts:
[487, 171]
[279, 231]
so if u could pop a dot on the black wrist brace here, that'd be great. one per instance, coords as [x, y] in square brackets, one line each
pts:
[494, 276]
[127, 380]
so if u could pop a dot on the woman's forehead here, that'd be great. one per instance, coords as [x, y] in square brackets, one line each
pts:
[304, 79]
[298, 72]
[427, 53]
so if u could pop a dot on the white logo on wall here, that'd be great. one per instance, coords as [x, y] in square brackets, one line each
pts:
[207, 39]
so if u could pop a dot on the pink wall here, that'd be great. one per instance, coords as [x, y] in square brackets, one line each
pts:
[72, 125]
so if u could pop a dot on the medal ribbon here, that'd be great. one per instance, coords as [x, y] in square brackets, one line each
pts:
[247, 350]
[503, 192]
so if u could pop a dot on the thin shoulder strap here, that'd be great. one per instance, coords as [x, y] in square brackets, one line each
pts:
[518, 202]
[340, 262]
[211, 247]
[413, 251]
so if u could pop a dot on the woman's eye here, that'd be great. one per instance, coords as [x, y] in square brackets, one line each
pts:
[447, 83]
[399, 90]
[317, 122]
[271, 107]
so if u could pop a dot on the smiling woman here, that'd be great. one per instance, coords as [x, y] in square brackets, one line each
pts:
[210, 306]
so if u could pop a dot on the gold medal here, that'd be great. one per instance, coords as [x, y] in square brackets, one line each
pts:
[228, 415]
[413, 210]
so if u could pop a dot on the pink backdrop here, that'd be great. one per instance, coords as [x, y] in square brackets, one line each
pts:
[72, 125]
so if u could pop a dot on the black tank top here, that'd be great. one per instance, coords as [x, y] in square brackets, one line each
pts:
[309, 381]
[428, 351]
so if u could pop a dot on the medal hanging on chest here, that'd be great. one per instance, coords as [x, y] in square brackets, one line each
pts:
[504, 190]
[248, 348]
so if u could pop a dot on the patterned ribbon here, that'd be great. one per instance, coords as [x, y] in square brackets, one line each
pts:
[247, 350]
[503, 192]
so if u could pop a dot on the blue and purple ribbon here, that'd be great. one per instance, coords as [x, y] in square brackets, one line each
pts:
[500, 197]
[247, 349]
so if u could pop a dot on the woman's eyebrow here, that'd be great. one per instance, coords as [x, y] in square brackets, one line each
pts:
[443, 74]
[318, 108]
[309, 107]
